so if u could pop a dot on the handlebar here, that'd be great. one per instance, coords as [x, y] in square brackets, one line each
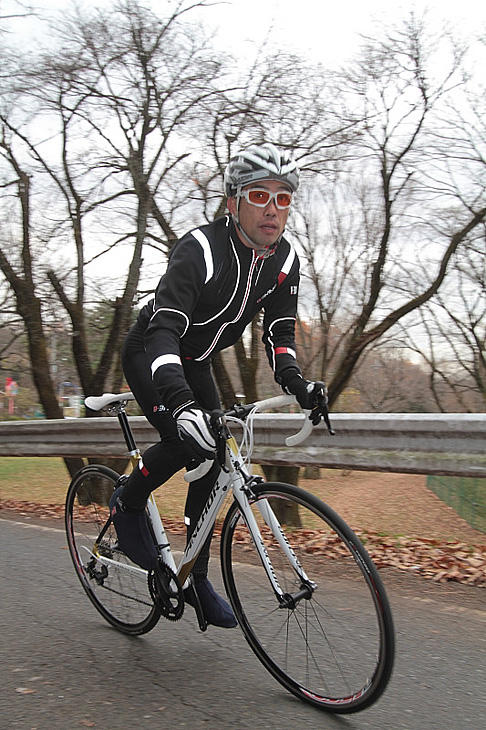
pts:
[242, 411]
[112, 401]
[279, 401]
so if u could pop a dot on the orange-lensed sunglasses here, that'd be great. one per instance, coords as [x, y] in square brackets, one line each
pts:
[261, 198]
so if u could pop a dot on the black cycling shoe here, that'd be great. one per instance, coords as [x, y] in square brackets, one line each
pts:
[216, 610]
[133, 533]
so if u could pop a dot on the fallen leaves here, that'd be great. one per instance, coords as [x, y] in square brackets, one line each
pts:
[42, 511]
[433, 559]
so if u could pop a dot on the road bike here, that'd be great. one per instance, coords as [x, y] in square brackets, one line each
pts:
[306, 595]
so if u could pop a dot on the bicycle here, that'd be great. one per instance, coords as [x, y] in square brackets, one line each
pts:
[307, 596]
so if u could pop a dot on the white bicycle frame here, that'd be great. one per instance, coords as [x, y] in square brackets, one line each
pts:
[230, 480]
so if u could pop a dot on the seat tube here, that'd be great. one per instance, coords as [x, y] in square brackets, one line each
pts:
[160, 534]
[133, 450]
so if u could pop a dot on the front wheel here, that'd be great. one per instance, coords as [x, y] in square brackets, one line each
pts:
[328, 636]
[117, 587]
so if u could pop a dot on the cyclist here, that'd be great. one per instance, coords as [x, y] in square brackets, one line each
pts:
[219, 276]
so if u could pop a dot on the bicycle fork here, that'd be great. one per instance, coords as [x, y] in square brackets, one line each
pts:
[307, 587]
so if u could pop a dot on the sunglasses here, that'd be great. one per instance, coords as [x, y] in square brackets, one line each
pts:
[261, 198]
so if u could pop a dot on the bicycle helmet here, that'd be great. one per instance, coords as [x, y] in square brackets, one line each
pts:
[260, 162]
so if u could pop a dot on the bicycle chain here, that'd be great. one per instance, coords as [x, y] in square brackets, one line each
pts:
[126, 595]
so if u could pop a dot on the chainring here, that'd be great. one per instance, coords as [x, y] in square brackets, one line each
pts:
[166, 592]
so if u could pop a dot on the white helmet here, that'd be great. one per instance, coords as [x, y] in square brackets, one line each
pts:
[260, 162]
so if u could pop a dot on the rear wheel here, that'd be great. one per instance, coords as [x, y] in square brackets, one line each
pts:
[117, 587]
[329, 638]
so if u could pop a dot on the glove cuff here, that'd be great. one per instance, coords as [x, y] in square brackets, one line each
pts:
[296, 384]
[286, 377]
[177, 411]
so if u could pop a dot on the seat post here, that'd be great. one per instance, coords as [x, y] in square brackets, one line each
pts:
[133, 450]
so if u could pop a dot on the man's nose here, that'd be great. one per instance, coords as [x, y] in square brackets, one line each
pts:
[271, 207]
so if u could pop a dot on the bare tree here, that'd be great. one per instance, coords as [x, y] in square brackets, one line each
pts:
[21, 279]
[386, 203]
[270, 101]
[19, 10]
[116, 100]
[22, 283]
[451, 339]
[125, 133]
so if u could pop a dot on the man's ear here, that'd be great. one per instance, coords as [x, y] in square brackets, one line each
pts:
[232, 206]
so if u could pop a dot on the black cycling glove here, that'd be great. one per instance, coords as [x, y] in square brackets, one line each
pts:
[312, 396]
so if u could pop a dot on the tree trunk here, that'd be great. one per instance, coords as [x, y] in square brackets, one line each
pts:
[29, 308]
[221, 375]
[286, 514]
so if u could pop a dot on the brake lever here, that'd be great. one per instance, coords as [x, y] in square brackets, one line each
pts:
[328, 422]
[217, 421]
[322, 396]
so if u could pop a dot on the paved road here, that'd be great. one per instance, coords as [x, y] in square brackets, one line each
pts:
[62, 667]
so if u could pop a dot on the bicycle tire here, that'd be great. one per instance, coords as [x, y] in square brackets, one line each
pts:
[117, 588]
[335, 648]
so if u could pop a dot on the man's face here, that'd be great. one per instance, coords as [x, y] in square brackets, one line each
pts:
[262, 225]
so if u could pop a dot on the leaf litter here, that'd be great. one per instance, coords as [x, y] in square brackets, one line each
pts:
[433, 559]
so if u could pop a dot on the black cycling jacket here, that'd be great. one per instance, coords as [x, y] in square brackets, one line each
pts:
[212, 289]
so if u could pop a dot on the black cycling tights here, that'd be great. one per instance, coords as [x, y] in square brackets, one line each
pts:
[168, 456]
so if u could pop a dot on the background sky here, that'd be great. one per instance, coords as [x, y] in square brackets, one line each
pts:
[327, 31]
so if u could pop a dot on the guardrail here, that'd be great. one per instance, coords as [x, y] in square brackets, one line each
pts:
[448, 444]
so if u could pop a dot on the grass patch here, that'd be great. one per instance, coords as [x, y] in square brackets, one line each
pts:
[46, 480]
[466, 496]
[391, 504]
[33, 479]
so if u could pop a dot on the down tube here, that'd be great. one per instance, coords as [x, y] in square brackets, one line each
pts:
[204, 525]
